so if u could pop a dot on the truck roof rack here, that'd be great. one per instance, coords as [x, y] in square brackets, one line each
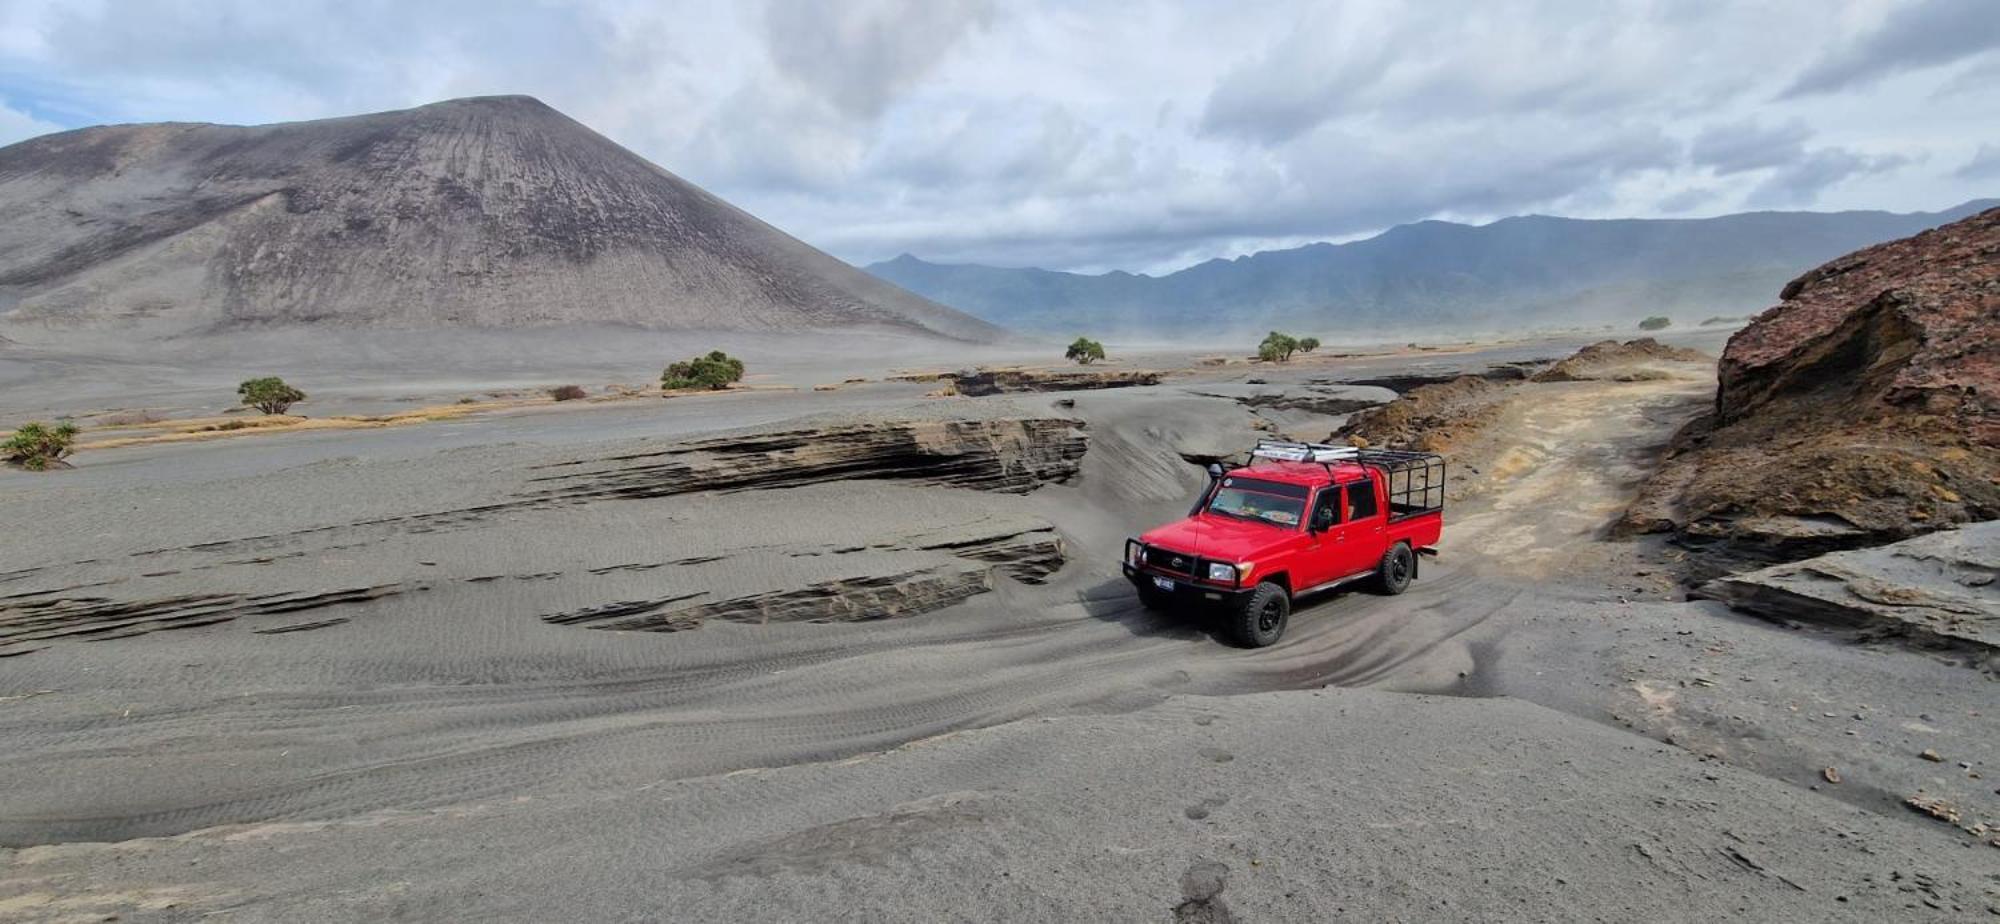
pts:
[1294, 451]
[1288, 451]
[1415, 480]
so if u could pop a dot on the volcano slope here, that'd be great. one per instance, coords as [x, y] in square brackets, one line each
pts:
[487, 213]
[882, 653]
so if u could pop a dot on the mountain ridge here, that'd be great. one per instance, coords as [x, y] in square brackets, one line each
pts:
[1524, 268]
[491, 212]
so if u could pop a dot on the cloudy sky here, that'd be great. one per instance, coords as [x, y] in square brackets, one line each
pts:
[1132, 134]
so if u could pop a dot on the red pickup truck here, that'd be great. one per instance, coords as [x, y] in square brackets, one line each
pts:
[1299, 518]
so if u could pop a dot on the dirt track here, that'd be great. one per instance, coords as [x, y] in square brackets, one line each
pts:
[1560, 466]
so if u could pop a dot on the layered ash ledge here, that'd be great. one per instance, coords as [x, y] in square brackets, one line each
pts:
[1030, 556]
[1937, 591]
[1012, 455]
[227, 580]
[1004, 381]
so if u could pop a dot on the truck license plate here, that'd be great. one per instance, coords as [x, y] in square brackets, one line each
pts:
[1163, 584]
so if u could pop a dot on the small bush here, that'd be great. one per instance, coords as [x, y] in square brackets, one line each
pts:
[714, 372]
[1083, 351]
[566, 392]
[1656, 322]
[36, 446]
[270, 394]
[1308, 344]
[1277, 347]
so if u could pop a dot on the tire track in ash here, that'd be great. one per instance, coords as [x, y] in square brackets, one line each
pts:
[454, 744]
[695, 720]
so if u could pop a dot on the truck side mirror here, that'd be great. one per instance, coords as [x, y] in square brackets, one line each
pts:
[1322, 519]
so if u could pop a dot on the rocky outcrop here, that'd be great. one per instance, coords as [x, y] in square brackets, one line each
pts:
[1938, 591]
[1609, 359]
[1438, 411]
[1433, 418]
[1912, 325]
[1864, 408]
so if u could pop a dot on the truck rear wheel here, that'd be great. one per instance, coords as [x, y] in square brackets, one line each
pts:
[1398, 567]
[1261, 621]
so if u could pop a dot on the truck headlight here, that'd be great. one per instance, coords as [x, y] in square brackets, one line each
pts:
[1135, 553]
[1218, 571]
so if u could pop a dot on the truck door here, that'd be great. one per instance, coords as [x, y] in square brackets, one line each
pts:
[1320, 559]
[1357, 541]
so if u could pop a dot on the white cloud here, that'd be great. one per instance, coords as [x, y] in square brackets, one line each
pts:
[1741, 146]
[16, 125]
[1801, 182]
[1909, 36]
[861, 55]
[1143, 134]
[1984, 165]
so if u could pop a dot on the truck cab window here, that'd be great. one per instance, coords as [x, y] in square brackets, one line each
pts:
[1361, 499]
[1326, 510]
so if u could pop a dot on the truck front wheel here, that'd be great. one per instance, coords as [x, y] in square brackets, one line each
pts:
[1261, 621]
[1398, 566]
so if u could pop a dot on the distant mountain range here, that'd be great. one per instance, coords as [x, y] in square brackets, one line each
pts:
[1531, 270]
[490, 212]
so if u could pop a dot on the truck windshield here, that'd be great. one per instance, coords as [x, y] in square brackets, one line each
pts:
[1264, 501]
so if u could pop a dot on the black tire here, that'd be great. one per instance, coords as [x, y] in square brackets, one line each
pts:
[1398, 568]
[1261, 620]
[1155, 600]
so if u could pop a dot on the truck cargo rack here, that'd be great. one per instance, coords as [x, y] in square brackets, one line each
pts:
[1414, 480]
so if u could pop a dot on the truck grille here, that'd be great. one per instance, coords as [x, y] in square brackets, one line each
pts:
[1171, 562]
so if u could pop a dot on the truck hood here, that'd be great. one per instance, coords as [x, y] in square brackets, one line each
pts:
[1218, 537]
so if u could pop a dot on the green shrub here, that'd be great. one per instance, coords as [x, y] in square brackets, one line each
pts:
[36, 446]
[1083, 351]
[714, 371]
[270, 394]
[566, 392]
[1277, 347]
[1308, 344]
[1656, 322]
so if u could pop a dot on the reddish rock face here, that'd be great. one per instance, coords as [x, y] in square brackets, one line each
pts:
[1862, 409]
[1913, 323]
